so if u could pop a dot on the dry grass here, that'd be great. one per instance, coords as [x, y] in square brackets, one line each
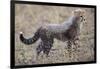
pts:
[29, 17]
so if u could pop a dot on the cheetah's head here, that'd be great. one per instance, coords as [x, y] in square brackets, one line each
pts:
[80, 14]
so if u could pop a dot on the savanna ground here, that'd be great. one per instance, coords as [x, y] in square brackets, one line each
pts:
[29, 17]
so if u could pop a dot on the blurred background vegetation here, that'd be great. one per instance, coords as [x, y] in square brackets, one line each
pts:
[30, 17]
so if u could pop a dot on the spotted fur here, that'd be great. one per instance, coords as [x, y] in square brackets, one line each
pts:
[67, 31]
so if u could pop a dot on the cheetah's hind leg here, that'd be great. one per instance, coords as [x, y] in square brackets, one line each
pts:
[39, 49]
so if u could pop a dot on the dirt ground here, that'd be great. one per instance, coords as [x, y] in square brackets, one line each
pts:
[30, 17]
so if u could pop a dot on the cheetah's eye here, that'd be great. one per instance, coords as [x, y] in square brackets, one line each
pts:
[82, 18]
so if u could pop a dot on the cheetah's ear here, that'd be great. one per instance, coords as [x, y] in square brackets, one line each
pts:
[75, 13]
[84, 12]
